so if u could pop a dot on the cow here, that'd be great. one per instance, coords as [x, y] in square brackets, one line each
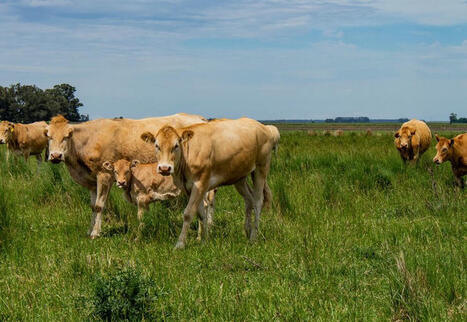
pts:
[412, 140]
[205, 156]
[455, 151]
[24, 139]
[142, 185]
[86, 146]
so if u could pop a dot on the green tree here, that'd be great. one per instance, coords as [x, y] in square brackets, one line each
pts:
[452, 118]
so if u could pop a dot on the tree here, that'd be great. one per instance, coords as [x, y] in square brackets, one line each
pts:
[28, 103]
[452, 118]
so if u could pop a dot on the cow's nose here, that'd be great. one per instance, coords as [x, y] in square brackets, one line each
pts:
[121, 183]
[56, 155]
[436, 161]
[2, 142]
[164, 169]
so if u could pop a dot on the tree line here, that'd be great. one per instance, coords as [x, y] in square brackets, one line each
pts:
[453, 119]
[28, 103]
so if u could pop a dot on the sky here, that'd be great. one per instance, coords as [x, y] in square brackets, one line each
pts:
[275, 59]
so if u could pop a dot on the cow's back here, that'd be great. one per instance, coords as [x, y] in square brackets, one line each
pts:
[103, 140]
[31, 136]
[423, 132]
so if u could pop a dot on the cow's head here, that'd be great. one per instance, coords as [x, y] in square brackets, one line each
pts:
[6, 130]
[59, 133]
[443, 149]
[121, 170]
[404, 137]
[168, 144]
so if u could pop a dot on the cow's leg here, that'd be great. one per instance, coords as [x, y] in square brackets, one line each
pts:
[211, 205]
[39, 160]
[142, 207]
[104, 183]
[245, 191]
[196, 197]
[7, 154]
[259, 180]
[26, 156]
[203, 228]
[93, 216]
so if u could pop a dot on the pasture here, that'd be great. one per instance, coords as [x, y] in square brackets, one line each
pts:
[352, 235]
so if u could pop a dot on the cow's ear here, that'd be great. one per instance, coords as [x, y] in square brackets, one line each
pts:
[69, 132]
[107, 165]
[134, 163]
[437, 137]
[396, 135]
[11, 126]
[451, 142]
[46, 131]
[187, 135]
[148, 137]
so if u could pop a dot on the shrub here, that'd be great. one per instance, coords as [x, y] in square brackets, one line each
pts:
[125, 295]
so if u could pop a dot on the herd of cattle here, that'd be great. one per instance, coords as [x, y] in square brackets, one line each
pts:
[159, 158]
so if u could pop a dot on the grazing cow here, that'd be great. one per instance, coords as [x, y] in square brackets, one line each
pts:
[205, 156]
[338, 132]
[86, 146]
[412, 139]
[142, 185]
[24, 139]
[455, 151]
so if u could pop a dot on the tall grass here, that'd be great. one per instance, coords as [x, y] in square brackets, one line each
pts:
[352, 235]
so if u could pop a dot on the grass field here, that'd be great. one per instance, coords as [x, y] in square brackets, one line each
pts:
[352, 235]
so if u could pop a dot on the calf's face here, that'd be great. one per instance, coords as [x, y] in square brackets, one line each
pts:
[121, 170]
[59, 141]
[6, 129]
[404, 138]
[443, 149]
[168, 148]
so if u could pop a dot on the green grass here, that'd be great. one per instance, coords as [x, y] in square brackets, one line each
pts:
[352, 235]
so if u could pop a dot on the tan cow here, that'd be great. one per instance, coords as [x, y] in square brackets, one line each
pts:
[142, 185]
[412, 140]
[24, 139]
[205, 156]
[86, 146]
[455, 151]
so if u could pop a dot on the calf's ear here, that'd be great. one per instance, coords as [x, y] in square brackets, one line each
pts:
[134, 163]
[148, 137]
[187, 135]
[107, 165]
[396, 135]
[437, 137]
[451, 142]
[69, 133]
[46, 131]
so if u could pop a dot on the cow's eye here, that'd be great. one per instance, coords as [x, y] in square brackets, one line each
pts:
[175, 146]
[444, 149]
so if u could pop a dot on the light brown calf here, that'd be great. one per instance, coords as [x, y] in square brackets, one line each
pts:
[455, 151]
[24, 139]
[142, 185]
[205, 156]
[412, 140]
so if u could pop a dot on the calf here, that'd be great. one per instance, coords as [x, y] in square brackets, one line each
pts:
[455, 151]
[24, 139]
[142, 185]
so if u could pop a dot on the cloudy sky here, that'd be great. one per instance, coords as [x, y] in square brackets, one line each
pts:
[276, 59]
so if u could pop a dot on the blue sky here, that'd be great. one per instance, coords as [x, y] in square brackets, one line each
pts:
[274, 59]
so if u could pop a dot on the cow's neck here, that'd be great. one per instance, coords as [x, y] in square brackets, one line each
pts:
[13, 143]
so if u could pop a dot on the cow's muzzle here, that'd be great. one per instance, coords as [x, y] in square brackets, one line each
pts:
[2, 141]
[56, 157]
[165, 169]
[121, 184]
[437, 161]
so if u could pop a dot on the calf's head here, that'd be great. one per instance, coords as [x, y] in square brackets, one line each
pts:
[443, 149]
[121, 170]
[404, 137]
[168, 143]
[59, 133]
[6, 130]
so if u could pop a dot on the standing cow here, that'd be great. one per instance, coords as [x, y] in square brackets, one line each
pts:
[86, 146]
[412, 140]
[205, 156]
[455, 151]
[24, 139]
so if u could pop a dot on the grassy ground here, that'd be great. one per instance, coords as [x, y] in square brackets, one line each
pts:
[352, 235]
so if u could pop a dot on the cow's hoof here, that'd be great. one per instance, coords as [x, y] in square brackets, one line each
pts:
[179, 245]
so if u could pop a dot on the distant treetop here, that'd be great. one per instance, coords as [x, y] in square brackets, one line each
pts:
[28, 103]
